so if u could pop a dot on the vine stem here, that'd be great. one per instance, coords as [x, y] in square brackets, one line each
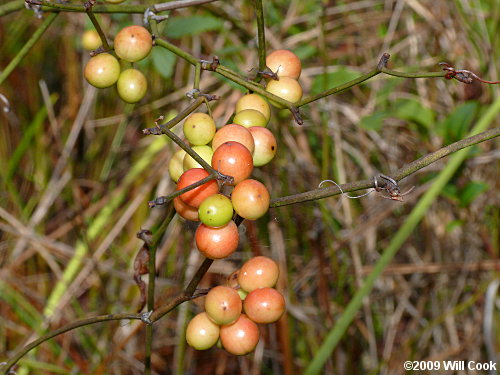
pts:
[261, 35]
[79, 323]
[27, 47]
[397, 175]
[151, 284]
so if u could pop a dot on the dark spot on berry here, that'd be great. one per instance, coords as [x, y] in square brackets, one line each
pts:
[272, 148]
[224, 308]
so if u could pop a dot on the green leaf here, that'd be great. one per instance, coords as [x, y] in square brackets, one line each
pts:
[305, 51]
[456, 125]
[373, 121]
[471, 191]
[326, 81]
[414, 111]
[453, 224]
[193, 25]
[163, 61]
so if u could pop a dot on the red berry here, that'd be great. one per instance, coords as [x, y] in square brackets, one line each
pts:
[264, 305]
[258, 272]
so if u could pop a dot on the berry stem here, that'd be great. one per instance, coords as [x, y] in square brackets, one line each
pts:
[98, 28]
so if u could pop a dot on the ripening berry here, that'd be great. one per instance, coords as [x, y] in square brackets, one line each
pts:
[235, 133]
[284, 63]
[131, 85]
[258, 272]
[102, 70]
[217, 243]
[286, 88]
[265, 145]
[197, 195]
[133, 43]
[233, 159]
[223, 305]
[249, 118]
[216, 210]
[256, 102]
[264, 305]
[202, 333]
[250, 199]
[199, 129]
[240, 337]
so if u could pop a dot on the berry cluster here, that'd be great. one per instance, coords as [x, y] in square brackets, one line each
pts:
[234, 150]
[131, 44]
[232, 311]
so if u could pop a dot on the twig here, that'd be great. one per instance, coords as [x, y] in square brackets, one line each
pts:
[179, 4]
[261, 35]
[108, 8]
[98, 28]
[79, 323]
[397, 175]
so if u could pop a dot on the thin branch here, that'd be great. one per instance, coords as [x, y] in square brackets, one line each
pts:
[186, 295]
[397, 175]
[158, 130]
[261, 35]
[176, 50]
[99, 8]
[179, 4]
[79, 323]
[413, 75]
[98, 28]
[153, 246]
[27, 47]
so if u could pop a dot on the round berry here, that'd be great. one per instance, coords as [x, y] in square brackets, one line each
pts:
[256, 102]
[199, 129]
[131, 85]
[233, 159]
[202, 333]
[258, 272]
[204, 151]
[250, 199]
[264, 305]
[223, 305]
[216, 210]
[284, 63]
[286, 88]
[185, 211]
[249, 118]
[102, 70]
[265, 146]
[197, 195]
[91, 40]
[240, 337]
[175, 165]
[133, 43]
[217, 243]
[235, 133]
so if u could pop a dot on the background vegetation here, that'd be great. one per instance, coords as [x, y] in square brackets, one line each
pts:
[76, 175]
